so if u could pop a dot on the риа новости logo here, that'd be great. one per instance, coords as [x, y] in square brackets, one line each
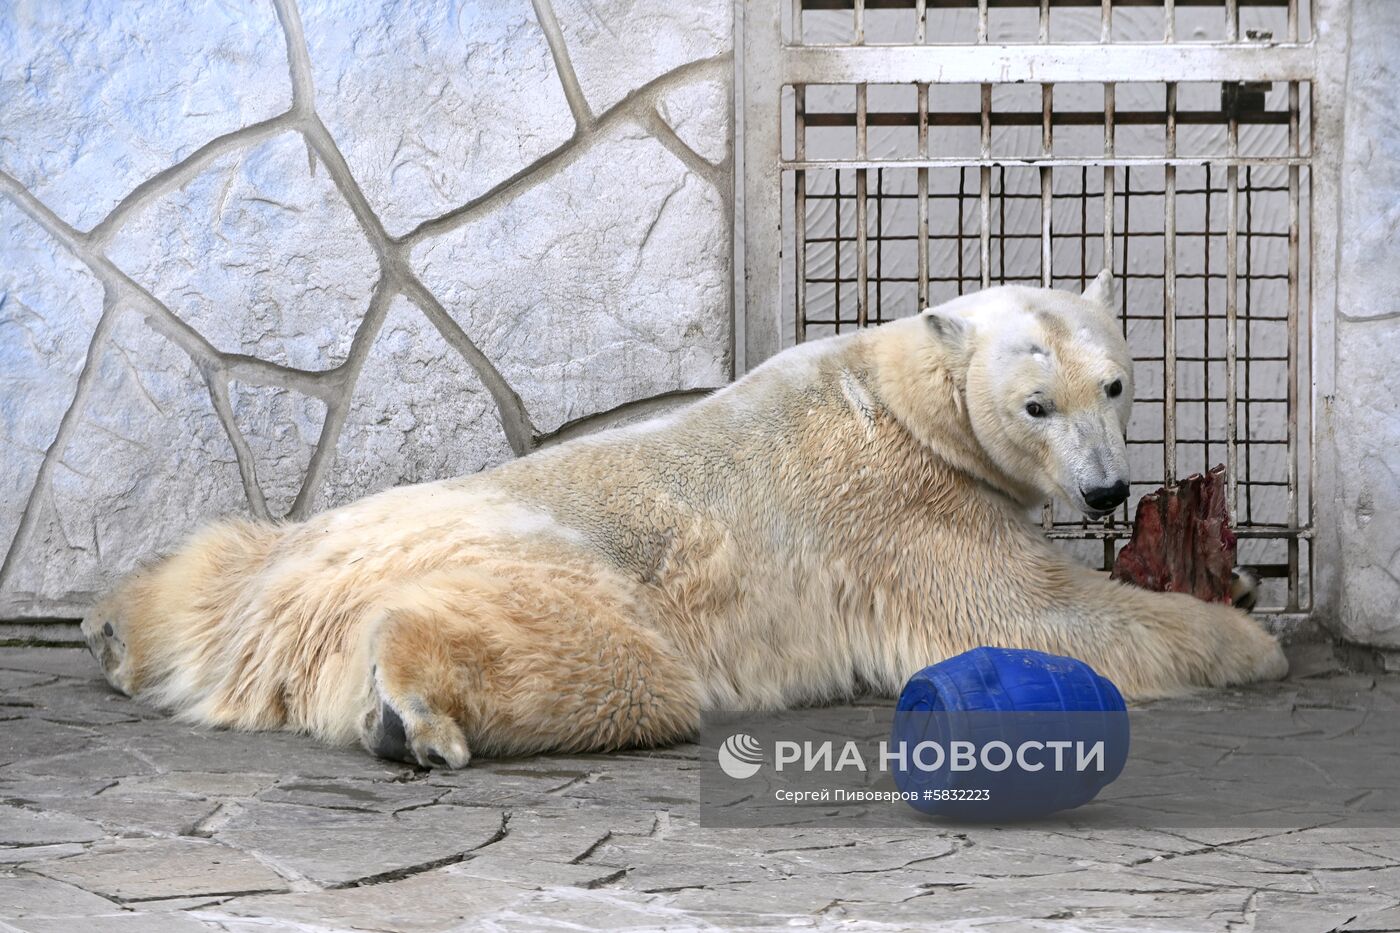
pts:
[740, 756]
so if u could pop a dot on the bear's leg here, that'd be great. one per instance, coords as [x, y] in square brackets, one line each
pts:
[1155, 644]
[1150, 644]
[517, 659]
[164, 617]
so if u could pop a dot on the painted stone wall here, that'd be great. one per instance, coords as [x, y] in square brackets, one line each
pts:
[267, 257]
[1364, 434]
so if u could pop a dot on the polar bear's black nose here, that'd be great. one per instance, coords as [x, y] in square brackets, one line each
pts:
[1106, 498]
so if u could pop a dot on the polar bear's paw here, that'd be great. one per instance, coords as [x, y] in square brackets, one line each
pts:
[1270, 663]
[105, 633]
[406, 729]
[1248, 652]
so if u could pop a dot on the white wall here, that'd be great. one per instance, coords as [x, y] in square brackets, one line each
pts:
[205, 195]
[263, 259]
[1362, 445]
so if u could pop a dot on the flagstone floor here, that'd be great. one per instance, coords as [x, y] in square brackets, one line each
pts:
[114, 818]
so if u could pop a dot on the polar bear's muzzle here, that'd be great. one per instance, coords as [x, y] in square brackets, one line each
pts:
[1093, 464]
[1104, 499]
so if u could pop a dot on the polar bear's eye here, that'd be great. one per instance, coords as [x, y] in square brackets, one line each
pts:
[1115, 388]
[1035, 409]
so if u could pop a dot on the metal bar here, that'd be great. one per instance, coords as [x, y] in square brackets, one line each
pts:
[981, 22]
[862, 252]
[879, 246]
[1021, 4]
[1232, 215]
[862, 247]
[759, 307]
[1084, 228]
[1248, 355]
[1294, 192]
[836, 270]
[860, 22]
[1047, 204]
[1127, 208]
[1318, 324]
[1059, 118]
[1249, 399]
[1232, 20]
[958, 259]
[1035, 162]
[1169, 8]
[1141, 276]
[1045, 21]
[1106, 23]
[862, 121]
[1169, 300]
[1090, 532]
[1321, 307]
[1109, 551]
[923, 188]
[1002, 238]
[799, 232]
[1180, 357]
[1205, 316]
[1074, 196]
[966, 64]
[1263, 442]
[985, 193]
[1109, 118]
[799, 223]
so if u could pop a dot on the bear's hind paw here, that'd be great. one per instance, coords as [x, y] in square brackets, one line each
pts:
[410, 731]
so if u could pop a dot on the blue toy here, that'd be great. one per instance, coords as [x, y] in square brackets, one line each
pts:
[1046, 710]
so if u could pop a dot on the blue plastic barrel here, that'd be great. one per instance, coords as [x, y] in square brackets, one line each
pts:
[1063, 727]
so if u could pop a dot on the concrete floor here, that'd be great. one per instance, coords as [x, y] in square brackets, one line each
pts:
[113, 818]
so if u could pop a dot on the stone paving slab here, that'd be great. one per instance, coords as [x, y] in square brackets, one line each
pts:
[115, 818]
[150, 869]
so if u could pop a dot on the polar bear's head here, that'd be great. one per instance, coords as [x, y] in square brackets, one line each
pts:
[1047, 382]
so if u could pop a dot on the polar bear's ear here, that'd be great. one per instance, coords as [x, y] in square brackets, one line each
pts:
[1100, 291]
[949, 330]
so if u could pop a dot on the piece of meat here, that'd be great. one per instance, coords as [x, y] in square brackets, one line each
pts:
[1182, 541]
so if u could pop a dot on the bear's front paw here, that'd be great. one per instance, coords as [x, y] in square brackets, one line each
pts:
[1257, 654]
[1272, 663]
[407, 730]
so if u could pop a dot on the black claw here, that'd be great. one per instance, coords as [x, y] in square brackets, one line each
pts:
[390, 740]
[435, 759]
[108, 630]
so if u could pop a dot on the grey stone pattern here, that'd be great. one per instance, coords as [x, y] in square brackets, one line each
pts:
[115, 818]
[1365, 407]
[266, 258]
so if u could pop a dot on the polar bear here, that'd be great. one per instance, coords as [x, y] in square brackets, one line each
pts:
[852, 510]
